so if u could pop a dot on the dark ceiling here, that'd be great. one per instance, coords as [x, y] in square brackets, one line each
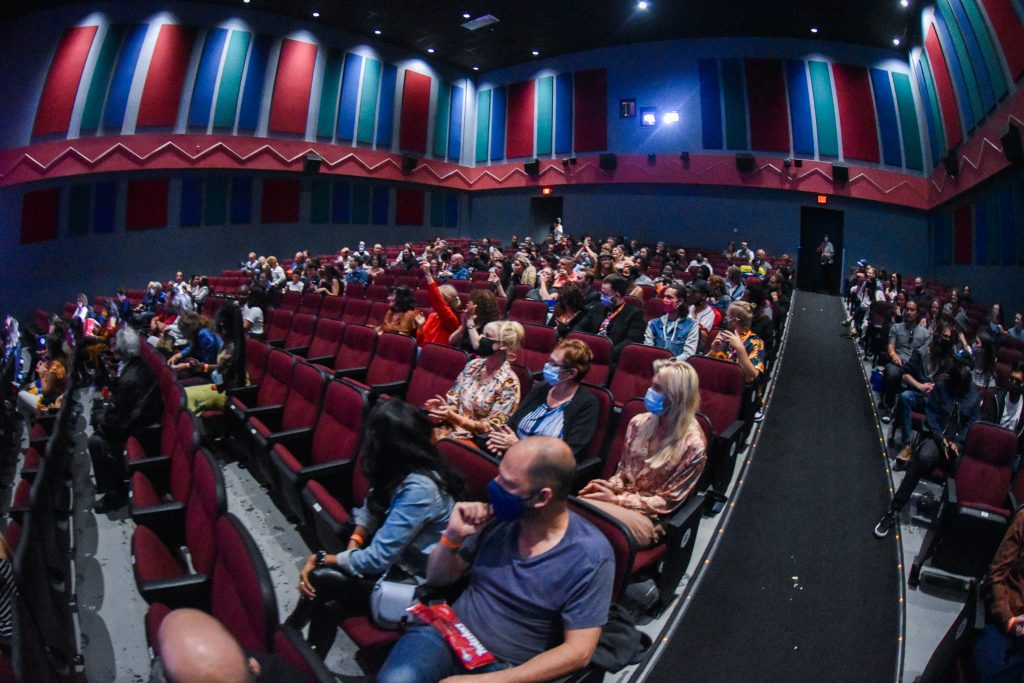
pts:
[555, 27]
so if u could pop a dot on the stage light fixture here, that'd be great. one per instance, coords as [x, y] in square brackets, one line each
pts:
[466, 15]
[896, 42]
[814, 29]
[904, 3]
[642, 5]
[377, 31]
[316, 15]
[535, 53]
[671, 117]
[430, 50]
[648, 116]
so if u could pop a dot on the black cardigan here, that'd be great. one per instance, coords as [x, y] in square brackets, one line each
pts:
[580, 419]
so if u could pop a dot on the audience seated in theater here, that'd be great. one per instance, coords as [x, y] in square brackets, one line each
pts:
[629, 272]
[952, 406]
[605, 266]
[46, 390]
[662, 457]
[905, 338]
[865, 293]
[146, 309]
[919, 294]
[952, 307]
[411, 496]
[893, 286]
[277, 276]
[624, 320]
[401, 315]
[999, 649]
[744, 254]
[295, 283]
[734, 286]
[706, 316]
[1005, 407]
[994, 324]
[1017, 331]
[134, 403]
[571, 313]
[738, 343]
[444, 319]
[202, 345]
[251, 264]
[982, 358]
[675, 331]
[331, 281]
[481, 310]
[355, 273]
[12, 363]
[228, 372]
[196, 648]
[780, 298]
[761, 325]
[729, 252]
[252, 313]
[83, 311]
[555, 407]
[934, 313]
[966, 300]
[540, 577]
[487, 391]
[927, 363]
[200, 290]
[376, 266]
[717, 297]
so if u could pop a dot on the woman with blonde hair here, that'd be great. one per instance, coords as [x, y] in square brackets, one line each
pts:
[738, 344]
[662, 458]
[487, 391]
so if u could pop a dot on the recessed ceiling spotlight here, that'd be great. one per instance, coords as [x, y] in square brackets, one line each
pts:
[535, 53]
[466, 15]
[377, 31]
[904, 3]
[246, 1]
[316, 15]
[476, 68]
[896, 41]
[642, 4]
[814, 29]
[430, 50]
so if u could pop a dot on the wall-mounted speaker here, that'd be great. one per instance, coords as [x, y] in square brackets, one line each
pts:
[840, 174]
[409, 163]
[532, 167]
[652, 159]
[744, 162]
[1011, 145]
[952, 163]
[608, 162]
[311, 164]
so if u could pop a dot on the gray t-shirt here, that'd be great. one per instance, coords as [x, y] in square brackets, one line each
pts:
[907, 339]
[519, 607]
[254, 314]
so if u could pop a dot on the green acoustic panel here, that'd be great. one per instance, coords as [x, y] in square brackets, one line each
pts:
[443, 112]
[908, 121]
[101, 77]
[360, 204]
[368, 101]
[933, 102]
[973, 93]
[329, 93]
[437, 209]
[734, 96]
[988, 49]
[545, 114]
[483, 124]
[231, 80]
[215, 201]
[80, 210]
[824, 109]
[320, 202]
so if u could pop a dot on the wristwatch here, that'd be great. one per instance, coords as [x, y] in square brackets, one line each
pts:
[321, 555]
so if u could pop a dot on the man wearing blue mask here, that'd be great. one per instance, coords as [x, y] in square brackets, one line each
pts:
[624, 321]
[541, 578]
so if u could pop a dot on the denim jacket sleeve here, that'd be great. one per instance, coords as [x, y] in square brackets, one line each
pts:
[415, 505]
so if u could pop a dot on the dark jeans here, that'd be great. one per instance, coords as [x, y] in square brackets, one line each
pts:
[910, 401]
[423, 656]
[893, 377]
[108, 464]
[998, 656]
[337, 596]
[921, 463]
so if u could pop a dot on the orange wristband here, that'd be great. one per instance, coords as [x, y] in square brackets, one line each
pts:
[449, 543]
[358, 539]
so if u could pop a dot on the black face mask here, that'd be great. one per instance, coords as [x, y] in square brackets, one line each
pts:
[944, 344]
[486, 347]
[1014, 388]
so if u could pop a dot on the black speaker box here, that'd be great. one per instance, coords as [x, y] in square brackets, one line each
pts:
[1011, 145]
[608, 162]
[311, 164]
[408, 163]
[952, 163]
[532, 167]
[840, 173]
[744, 162]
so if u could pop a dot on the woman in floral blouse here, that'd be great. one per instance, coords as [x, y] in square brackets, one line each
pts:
[662, 458]
[486, 392]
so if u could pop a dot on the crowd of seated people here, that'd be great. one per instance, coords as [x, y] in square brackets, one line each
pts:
[625, 292]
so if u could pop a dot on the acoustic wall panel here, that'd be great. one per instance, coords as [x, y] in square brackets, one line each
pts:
[545, 114]
[146, 204]
[104, 207]
[330, 88]
[231, 80]
[766, 105]
[944, 90]
[206, 78]
[341, 202]
[412, 132]
[521, 102]
[40, 215]
[856, 112]
[124, 74]
[960, 66]
[710, 104]
[379, 205]
[280, 200]
[590, 109]
[483, 124]
[161, 94]
[60, 89]
[962, 235]
[289, 105]
[241, 200]
[101, 73]
[368, 101]
[255, 80]
[888, 125]
[79, 210]
[215, 201]
[499, 100]
[800, 114]
[386, 109]
[455, 124]
[960, 25]
[993, 64]
[908, 121]
[409, 206]
[349, 97]
[190, 212]
[320, 201]
[360, 204]
[1007, 25]
[442, 113]
[563, 113]
[824, 109]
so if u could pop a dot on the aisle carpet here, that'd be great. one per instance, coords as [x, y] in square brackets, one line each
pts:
[799, 589]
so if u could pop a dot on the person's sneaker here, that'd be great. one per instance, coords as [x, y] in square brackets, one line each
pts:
[886, 414]
[903, 458]
[846, 323]
[759, 415]
[885, 524]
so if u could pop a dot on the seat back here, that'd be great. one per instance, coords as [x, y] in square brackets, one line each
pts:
[310, 303]
[332, 307]
[377, 293]
[206, 502]
[393, 361]
[525, 378]
[357, 346]
[601, 348]
[525, 311]
[278, 322]
[186, 440]
[630, 409]
[290, 301]
[595, 448]
[986, 466]
[326, 338]
[653, 308]
[339, 428]
[355, 290]
[538, 343]
[475, 467]
[378, 311]
[721, 390]
[301, 332]
[273, 389]
[617, 535]
[303, 403]
[356, 311]
[241, 592]
[437, 368]
[634, 371]
[256, 353]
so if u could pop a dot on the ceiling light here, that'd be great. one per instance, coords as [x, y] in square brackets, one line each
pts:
[476, 68]
[896, 42]
[376, 31]
[316, 15]
[904, 3]
[430, 50]
[466, 15]
[535, 53]
[814, 29]
[246, 1]
[642, 4]
[671, 117]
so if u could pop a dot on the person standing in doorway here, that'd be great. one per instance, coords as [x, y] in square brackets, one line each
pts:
[827, 252]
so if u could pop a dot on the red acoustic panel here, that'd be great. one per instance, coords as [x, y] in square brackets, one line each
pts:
[280, 202]
[962, 235]
[412, 133]
[856, 112]
[944, 84]
[161, 96]
[409, 204]
[519, 130]
[61, 86]
[289, 105]
[766, 103]
[146, 205]
[1008, 27]
[590, 111]
[40, 215]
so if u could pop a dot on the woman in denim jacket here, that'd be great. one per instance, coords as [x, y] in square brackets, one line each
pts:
[411, 495]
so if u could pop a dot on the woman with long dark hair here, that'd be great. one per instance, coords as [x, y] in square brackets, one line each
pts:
[412, 493]
[401, 317]
[983, 353]
[229, 370]
[481, 310]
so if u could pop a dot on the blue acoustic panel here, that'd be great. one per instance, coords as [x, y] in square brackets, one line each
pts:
[255, 78]
[710, 104]
[379, 205]
[341, 203]
[347, 111]
[104, 207]
[241, 201]
[191, 202]
[386, 107]
[800, 112]
[206, 78]
[455, 123]
[124, 74]
[888, 123]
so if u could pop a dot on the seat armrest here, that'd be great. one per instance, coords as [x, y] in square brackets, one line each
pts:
[276, 343]
[157, 463]
[244, 394]
[191, 590]
[161, 518]
[732, 431]
[298, 350]
[353, 373]
[266, 413]
[950, 497]
[392, 388]
[321, 360]
[326, 470]
[586, 470]
[678, 520]
[291, 436]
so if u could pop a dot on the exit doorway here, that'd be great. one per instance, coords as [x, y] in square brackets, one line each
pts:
[543, 212]
[812, 273]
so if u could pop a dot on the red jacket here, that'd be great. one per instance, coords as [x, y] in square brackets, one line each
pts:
[440, 324]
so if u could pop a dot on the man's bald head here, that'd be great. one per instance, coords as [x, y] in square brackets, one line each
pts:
[196, 648]
[548, 463]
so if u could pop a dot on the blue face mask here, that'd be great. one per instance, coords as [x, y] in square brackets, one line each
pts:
[606, 300]
[507, 507]
[551, 374]
[654, 402]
